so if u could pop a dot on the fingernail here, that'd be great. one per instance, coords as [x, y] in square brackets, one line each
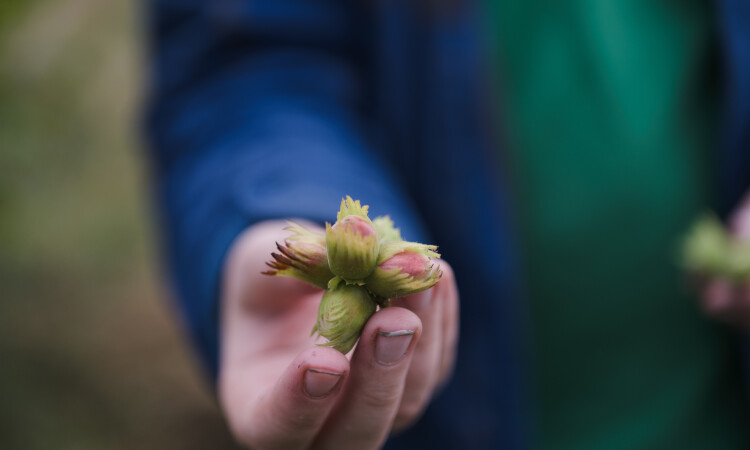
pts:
[391, 346]
[319, 383]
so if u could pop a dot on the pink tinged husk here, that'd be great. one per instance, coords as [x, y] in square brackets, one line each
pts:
[303, 256]
[352, 243]
[361, 264]
[412, 263]
[404, 268]
[344, 310]
[357, 224]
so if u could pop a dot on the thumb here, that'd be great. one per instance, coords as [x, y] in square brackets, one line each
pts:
[246, 262]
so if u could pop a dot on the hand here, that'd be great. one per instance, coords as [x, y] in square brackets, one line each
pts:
[722, 299]
[280, 391]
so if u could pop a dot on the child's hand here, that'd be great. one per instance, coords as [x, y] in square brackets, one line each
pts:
[280, 391]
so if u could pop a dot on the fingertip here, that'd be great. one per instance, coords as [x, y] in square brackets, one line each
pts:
[320, 371]
[390, 319]
[322, 358]
[446, 270]
[390, 336]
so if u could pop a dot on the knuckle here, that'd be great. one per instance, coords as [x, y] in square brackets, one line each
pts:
[380, 398]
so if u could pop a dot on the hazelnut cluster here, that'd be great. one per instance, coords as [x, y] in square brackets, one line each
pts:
[361, 264]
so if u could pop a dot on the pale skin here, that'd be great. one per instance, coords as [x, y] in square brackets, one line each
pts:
[281, 391]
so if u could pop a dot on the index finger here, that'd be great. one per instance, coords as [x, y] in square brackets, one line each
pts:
[286, 411]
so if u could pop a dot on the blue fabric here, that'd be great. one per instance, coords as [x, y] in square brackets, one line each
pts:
[735, 160]
[734, 165]
[278, 108]
[243, 131]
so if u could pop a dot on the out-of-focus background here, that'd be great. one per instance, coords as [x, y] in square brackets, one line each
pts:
[91, 356]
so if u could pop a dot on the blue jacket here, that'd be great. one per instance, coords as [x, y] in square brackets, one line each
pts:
[277, 108]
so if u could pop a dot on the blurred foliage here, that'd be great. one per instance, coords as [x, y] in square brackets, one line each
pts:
[91, 354]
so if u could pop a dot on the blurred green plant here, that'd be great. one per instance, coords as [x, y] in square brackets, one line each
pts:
[91, 356]
[710, 250]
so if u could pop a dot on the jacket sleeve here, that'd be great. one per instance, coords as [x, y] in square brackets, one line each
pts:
[257, 110]
[734, 164]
